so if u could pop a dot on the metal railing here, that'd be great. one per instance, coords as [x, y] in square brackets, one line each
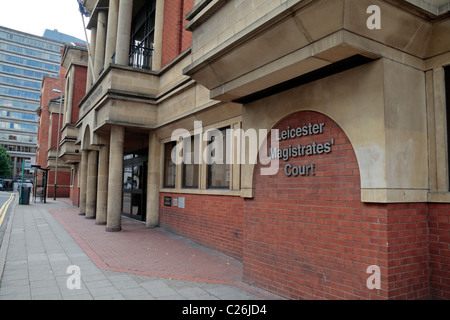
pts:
[141, 57]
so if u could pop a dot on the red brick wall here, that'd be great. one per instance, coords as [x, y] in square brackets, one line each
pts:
[62, 184]
[213, 221]
[407, 236]
[55, 117]
[311, 237]
[322, 238]
[186, 39]
[48, 84]
[439, 250]
[79, 90]
[176, 38]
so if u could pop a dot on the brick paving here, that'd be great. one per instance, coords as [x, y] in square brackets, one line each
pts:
[148, 251]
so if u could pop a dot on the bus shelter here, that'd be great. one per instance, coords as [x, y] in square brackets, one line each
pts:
[40, 184]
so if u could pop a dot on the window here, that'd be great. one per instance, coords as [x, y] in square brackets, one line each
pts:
[169, 165]
[23, 72]
[26, 51]
[135, 168]
[447, 95]
[142, 36]
[127, 177]
[9, 103]
[16, 93]
[191, 162]
[13, 81]
[42, 66]
[18, 115]
[218, 168]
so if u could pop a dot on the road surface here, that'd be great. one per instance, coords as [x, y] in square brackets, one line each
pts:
[7, 200]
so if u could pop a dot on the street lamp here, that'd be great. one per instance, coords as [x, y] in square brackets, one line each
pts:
[57, 140]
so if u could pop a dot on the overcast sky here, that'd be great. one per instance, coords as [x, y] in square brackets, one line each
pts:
[34, 16]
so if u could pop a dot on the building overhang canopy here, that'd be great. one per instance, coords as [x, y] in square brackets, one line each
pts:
[435, 7]
[300, 37]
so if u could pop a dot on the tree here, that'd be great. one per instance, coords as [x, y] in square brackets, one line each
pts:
[5, 163]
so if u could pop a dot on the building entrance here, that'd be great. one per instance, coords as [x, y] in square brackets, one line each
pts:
[135, 166]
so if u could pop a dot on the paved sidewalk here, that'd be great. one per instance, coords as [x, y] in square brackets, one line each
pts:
[43, 240]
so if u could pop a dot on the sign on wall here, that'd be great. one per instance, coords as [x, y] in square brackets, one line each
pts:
[167, 201]
[297, 150]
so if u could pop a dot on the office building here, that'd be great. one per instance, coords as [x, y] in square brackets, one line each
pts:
[25, 59]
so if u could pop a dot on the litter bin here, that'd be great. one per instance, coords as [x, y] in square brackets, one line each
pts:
[25, 195]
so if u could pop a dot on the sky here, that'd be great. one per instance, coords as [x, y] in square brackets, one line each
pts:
[34, 16]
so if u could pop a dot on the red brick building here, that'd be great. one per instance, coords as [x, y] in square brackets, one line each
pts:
[47, 135]
[71, 80]
[74, 60]
[176, 38]
[47, 94]
[356, 116]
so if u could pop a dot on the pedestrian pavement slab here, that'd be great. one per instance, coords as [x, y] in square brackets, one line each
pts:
[44, 240]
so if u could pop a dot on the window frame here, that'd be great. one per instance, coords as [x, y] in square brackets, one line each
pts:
[225, 131]
[171, 163]
[195, 141]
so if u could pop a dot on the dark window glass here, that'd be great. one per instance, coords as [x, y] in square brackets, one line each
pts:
[142, 36]
[447, 94]
[191, 162]
[218, 169]
[127, 178]
[169, 165]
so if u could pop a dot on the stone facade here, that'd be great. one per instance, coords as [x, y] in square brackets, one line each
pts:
[365, 181]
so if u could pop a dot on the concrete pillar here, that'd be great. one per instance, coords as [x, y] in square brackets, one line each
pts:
[83, 180]
[99, 58]
[90, 79]
[111, 35]
[115, 179]
[153, 177]
[91, 188]
[102, 185]
[159, 19]
[124, 32]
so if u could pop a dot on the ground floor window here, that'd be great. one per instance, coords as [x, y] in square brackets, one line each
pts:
[202, 160]
[191, 162]
[169, 165]
[218, 168]
[447, 94]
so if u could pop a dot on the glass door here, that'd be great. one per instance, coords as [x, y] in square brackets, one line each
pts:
[135, 187]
